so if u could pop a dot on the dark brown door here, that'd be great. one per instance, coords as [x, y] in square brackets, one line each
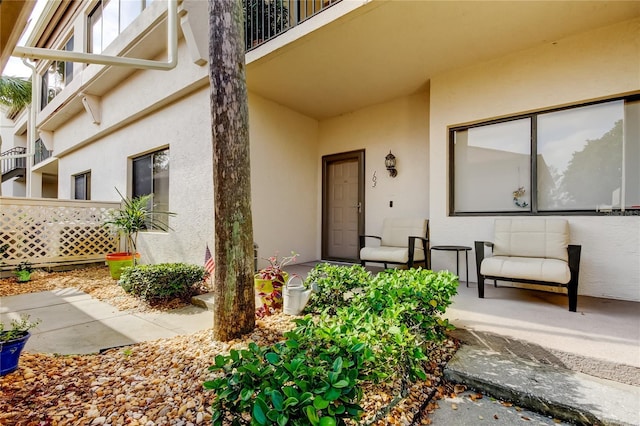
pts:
[342, 205]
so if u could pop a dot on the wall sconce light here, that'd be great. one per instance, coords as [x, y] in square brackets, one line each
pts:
[390, 163]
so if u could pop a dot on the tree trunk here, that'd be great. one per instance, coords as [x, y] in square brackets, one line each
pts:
[234, 296]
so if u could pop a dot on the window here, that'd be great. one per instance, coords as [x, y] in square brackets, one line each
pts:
[151, 176]
[574, 160]
[58, 75]
[110, 18]
[82, 186]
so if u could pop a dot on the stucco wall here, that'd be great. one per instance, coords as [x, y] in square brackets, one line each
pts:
[191, 181]
[283, 180]
[401, 126]
[595, 65]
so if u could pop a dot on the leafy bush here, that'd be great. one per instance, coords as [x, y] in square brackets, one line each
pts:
[315, 377]
[291, 382]
[335, 285]
[165, 281]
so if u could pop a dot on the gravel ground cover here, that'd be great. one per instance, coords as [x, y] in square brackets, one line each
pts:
[160, 382]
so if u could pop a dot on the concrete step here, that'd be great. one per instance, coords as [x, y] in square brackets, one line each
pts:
[547, 389]
[203, 300]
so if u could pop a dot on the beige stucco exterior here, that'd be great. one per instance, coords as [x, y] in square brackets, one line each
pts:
[598, 64]
[296, 119]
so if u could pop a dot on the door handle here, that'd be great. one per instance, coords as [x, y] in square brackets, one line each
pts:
[359, 207]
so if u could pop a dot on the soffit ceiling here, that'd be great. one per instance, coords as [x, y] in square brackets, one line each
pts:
[13, 20]
[386, 49]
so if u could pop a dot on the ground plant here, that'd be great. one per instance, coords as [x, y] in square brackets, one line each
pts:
[164, 281]
[18, 328]
[315, 376]
[334, 286]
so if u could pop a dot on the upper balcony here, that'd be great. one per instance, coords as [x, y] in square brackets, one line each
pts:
[266, 19]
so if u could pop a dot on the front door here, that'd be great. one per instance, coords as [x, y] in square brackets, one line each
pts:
[342, 205]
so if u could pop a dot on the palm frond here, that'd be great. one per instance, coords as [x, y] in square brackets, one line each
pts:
[15, 92]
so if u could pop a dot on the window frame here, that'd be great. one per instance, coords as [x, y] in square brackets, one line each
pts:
[533, 183]
[67, 75]
[150, 155]
[87, 185]
[98, 12]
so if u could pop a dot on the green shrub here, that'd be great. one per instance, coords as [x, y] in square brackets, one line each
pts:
[165, 281]
[334, 286]
[291, 382]
[315, 377]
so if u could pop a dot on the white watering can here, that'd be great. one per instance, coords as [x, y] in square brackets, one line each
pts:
[295, 296]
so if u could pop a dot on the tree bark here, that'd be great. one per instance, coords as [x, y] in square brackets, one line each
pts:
[234, 296]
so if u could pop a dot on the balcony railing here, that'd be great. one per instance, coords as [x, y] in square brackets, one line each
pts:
[41, 152]
[266, 19]
[12, 165]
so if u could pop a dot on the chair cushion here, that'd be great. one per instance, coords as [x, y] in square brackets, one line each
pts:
[390, 254]
[528, 268]
[545, 238]
[396, 231]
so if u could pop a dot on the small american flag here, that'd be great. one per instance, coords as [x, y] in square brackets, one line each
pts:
[209, 263]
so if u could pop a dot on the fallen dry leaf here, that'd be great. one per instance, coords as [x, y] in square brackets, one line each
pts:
[459, 388]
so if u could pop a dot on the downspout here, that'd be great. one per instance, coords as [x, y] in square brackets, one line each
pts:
[91, 58]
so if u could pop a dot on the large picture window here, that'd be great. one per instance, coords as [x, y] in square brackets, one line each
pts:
[151, 176]
[110, 18]
[58, 76]
[575, 160]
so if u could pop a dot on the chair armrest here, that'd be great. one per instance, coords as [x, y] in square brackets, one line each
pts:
[479, 247]
[362, 238]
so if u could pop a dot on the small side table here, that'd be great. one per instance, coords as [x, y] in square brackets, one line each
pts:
[457, 249]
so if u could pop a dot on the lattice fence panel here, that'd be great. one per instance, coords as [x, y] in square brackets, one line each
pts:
[54, 231]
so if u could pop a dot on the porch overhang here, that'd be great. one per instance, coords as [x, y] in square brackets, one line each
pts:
[335, 63]
[13, 20]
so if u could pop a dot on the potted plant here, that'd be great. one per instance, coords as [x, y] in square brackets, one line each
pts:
[135, 215]
[12, 342]
[269, 282]
[23, 271]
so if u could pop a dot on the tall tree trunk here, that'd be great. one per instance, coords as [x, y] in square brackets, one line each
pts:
[234, 296]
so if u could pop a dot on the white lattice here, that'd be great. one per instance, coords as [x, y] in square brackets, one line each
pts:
[53, 231]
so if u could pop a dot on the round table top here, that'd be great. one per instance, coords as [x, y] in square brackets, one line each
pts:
[451, 248]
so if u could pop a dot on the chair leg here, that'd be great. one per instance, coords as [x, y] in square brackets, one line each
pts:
[495, 283]
[572, 290]
[480, 286]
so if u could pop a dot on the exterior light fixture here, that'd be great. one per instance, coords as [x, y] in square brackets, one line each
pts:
[390, 163]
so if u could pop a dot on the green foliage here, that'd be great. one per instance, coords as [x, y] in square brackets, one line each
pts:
[334, 286]
[165, 281]
[25, 266]
[292, 382]
[315, 377]
[18, 328]
[15, 92]
[135, 215]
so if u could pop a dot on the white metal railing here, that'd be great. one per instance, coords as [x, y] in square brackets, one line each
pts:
[47, 232]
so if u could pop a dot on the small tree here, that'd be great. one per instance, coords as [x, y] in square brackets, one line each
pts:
[234, 308]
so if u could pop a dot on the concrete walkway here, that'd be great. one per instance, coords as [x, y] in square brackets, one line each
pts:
[75, 323]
